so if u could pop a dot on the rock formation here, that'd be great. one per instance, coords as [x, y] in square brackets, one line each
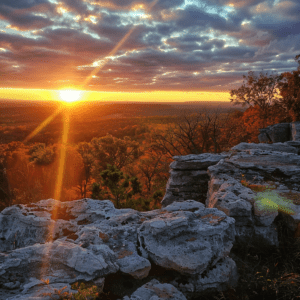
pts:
[273, 165]
[52, 244]
[234, 180]
[281, 132]
[189, 177]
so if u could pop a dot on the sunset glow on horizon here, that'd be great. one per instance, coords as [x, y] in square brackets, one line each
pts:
[154, 96]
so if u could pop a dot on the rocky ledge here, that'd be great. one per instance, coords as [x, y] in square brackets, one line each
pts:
[234, 180]
[51, 244]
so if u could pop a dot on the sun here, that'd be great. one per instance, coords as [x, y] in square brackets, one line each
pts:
[70, 95]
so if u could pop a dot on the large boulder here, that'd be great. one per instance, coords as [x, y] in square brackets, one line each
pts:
[263, 136]
[52, 244]
[208, 234]
[281, 132]
[275, 133]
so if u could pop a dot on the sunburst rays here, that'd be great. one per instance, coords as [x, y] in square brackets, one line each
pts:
[69, 96]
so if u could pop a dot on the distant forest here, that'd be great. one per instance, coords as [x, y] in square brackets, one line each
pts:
[18, 118]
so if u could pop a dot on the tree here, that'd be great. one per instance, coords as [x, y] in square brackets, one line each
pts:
[152, 166]
[86, 151]
[261, 91]
[73, 170]
[114, 151]
[189, 134]
[194, 134]
[234, 131]
[41, 155]
[98, 192]
[120, 185]
[21, 175]
[289, 87]
[5, 190]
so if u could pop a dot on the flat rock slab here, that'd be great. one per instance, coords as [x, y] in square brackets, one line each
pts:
[55, 262]
[279, 147]
[44, 291]
[196, 161]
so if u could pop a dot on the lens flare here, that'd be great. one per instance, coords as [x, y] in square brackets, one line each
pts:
[70, 96]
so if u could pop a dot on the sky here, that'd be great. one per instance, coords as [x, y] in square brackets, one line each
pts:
[145, 49]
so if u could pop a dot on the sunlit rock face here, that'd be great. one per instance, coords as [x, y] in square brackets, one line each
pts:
[52, 243]
[235, 178]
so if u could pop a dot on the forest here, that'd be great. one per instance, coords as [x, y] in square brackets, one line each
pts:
[122, 151]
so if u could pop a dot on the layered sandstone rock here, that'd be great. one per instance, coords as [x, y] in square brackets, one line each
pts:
[188, 177]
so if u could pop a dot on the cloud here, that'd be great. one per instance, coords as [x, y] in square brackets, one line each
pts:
[204, 45]
[129, 4]
[78, 7]
[20, 4]
[196, 17]
[23, 21]
[27, 15]
[192, 42]
[290, 44]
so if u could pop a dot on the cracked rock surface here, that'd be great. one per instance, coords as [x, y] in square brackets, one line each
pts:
[53, 244]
